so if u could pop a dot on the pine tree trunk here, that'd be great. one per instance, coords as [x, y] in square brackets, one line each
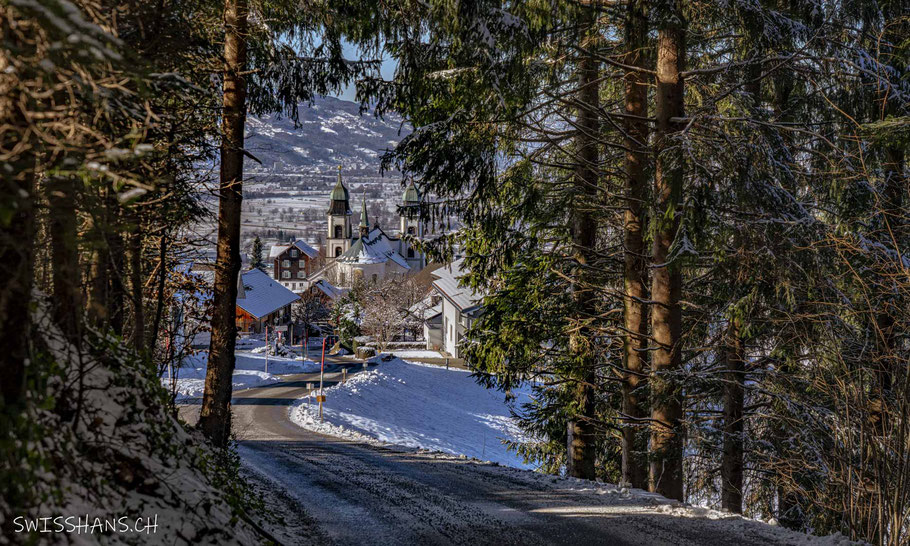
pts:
[116, 271]
[215, 418]
[159, 292]
[97, 304]
[666, 475]
[65, 274]
[635, 316]
[584, 235]
[16, 251]
[16, 236]
[733, 355]
[137, 336]
[731, 469]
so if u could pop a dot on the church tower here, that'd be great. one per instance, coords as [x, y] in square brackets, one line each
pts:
[338, 238]
[411, 226]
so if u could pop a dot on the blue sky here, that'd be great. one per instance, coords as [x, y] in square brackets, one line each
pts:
[351, 52]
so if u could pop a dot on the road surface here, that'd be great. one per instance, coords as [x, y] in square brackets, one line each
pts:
[362, 494]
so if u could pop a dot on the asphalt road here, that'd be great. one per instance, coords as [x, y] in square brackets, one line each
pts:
[362, 494]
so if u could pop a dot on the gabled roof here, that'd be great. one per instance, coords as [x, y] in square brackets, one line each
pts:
[327, 288]
[446, 282]
[263, 295]
[375, 248]
[278, 250]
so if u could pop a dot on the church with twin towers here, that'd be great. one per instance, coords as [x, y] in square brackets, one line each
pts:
[365, 251]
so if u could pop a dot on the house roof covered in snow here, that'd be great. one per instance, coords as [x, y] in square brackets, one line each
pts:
[374, 248]
[263, 295]
[446, 282]
[278, 250]
[327, 288]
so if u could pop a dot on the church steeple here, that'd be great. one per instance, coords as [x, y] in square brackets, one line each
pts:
[364, 223]
[338, 238]
[339, 198]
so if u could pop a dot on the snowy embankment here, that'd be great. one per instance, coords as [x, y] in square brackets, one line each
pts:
[249, 371]
[418, 406]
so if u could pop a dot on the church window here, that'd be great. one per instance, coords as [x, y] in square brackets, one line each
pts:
[337, 251]
[410, 230]
[338, 234]
[410, 253]
[375, 278]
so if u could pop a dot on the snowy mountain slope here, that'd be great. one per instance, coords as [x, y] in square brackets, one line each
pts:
[331, 132]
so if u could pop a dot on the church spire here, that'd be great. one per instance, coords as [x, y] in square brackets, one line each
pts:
[364, 223]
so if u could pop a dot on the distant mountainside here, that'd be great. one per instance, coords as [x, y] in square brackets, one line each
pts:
[331, 132]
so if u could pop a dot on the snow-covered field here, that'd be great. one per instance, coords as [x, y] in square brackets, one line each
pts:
[249, 371]
[418, 406]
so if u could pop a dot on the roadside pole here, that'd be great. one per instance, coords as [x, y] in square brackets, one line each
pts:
[266, 349]
[170, 369]
[321, 397]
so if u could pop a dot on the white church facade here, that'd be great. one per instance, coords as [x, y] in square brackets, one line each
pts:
[369, 253]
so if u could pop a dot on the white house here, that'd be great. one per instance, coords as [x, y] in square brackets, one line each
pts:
[458, 310]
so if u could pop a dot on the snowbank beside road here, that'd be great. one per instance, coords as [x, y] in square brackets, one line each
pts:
[249, 371]
[418, 406]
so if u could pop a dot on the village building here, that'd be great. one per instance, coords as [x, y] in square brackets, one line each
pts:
[292, 264]
[369, 254]
[261, 302]
[446, 323]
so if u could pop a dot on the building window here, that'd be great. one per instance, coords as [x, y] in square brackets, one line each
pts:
[286, 263]
[301, 274]
[341, 277]
[293, 253]
[375, 278]
[410, 253]
[285, 274]
[293, 286]
[410, 230]
[337, 251]
[338, 234]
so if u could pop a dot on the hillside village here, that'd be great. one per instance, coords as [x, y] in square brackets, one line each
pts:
[292, 289]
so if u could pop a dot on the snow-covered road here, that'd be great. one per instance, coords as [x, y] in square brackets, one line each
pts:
[364, 494]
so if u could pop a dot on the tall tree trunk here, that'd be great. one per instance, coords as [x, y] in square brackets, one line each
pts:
[137, 336]
[666, 475]
[215, 418]
[635, 317]
[16, 242]
[159, 292]
[731, 469]
[116, 270]
[732, 352]
[99, 266]
[65, 273]
[16, 237]
[584, 236]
